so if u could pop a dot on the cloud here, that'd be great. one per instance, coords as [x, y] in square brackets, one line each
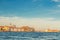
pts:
[37, 23]
[56, 0]
[58, 6]
[54, 12]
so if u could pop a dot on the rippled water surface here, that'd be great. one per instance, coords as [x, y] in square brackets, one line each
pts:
[29, 36]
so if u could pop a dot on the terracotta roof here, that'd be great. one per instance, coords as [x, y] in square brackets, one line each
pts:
[1, 26]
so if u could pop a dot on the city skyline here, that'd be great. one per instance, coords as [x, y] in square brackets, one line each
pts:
[40, 14]
[13, 28]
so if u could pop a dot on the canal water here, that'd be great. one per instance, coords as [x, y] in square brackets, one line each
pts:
[29, 36]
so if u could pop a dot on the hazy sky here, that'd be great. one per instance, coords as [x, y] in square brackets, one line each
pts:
[41, 13]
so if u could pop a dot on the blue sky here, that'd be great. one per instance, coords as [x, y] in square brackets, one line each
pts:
[36, 13]
[30, 8]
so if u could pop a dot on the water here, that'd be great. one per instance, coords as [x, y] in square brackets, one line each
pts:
[29, 36]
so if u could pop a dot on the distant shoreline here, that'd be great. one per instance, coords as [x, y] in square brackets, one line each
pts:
[40, 32]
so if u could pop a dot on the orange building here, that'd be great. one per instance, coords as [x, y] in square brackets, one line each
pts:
[11, 28]
[50, 30]
[26, 29]
[6, 28]
[1, 28]
[55, 30]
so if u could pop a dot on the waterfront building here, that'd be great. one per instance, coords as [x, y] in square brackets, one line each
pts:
[5, 28]
[26, 29]
[1, 28]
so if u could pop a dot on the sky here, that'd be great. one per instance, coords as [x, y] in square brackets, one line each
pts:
[40, 14]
